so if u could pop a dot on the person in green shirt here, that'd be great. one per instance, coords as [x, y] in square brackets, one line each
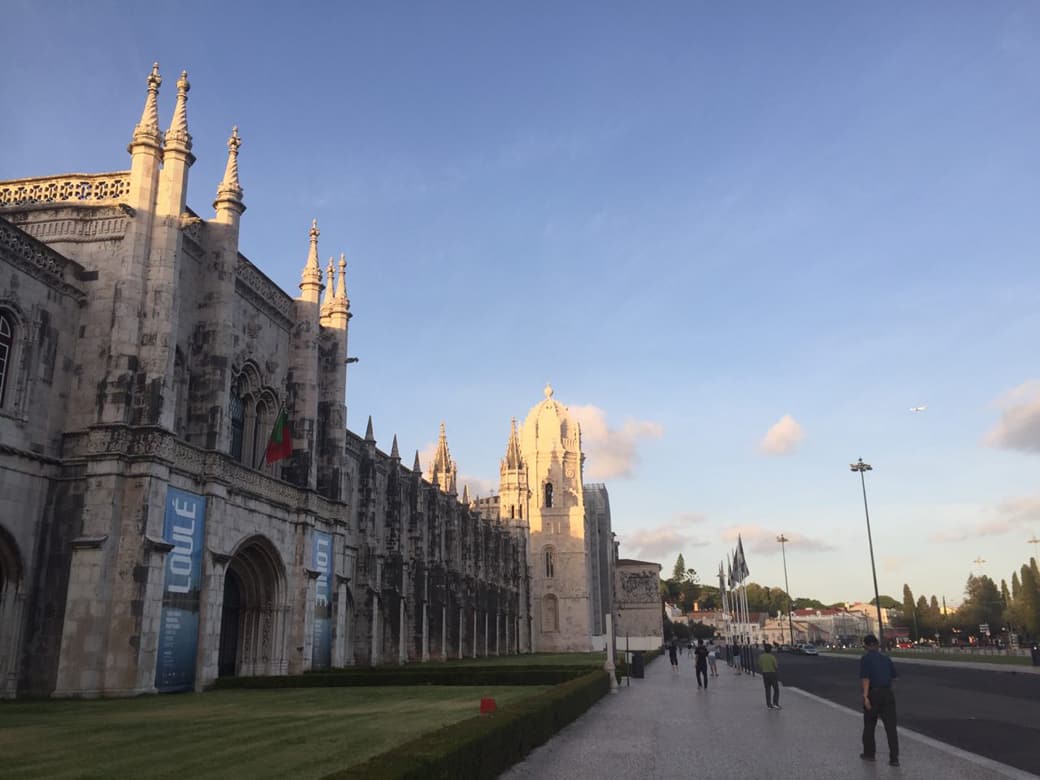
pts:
[767, 666]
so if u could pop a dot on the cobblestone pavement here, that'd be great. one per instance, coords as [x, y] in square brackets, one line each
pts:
[664, 727]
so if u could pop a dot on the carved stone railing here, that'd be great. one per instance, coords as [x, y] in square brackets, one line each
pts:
[38, 260]
[96, 188]
[145, 442]
[262, 292]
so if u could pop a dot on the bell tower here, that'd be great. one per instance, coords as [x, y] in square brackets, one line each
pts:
[561, 607]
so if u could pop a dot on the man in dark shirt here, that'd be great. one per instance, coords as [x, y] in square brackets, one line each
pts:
[876, 673]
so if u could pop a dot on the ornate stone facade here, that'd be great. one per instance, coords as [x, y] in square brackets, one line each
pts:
[565, 525]
[144, 363]
[640, 621]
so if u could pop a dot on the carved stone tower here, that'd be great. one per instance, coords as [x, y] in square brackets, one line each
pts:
[550, 448]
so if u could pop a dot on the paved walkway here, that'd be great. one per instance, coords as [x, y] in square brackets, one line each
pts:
[664, 727]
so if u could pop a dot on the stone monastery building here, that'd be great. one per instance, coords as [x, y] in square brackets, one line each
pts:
[146, 544]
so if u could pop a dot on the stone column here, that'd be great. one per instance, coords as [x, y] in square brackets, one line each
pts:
[339, 641]
[151, 615]
[498, 632]
[11, 609]
[307, 662]
[475, 632]
[487, 621]
[609, 665]
[444, 633]
[462, 630]
[402, 651]
[374, 654]
[81, 658]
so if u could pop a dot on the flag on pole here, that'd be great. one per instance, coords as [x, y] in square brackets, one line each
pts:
[742, 568]
[279, 446]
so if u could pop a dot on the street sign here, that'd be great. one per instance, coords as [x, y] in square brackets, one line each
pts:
[984, 628]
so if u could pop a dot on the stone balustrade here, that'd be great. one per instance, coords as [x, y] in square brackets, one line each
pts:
[99, 188]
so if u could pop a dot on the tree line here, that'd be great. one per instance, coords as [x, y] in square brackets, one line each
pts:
[1014, 609]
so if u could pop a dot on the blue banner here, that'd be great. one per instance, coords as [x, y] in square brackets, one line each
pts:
[179, 630]
[321, 561]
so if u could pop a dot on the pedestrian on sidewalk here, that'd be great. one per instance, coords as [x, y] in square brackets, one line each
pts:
[700, 654]
[713, 653]
[876, 673]
[673, 654]
[768, 666]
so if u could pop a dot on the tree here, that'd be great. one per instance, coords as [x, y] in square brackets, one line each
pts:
[1028, 601]
[910, 610]
[887, 602]
[679, 570]
[981, 604]
[804, 603]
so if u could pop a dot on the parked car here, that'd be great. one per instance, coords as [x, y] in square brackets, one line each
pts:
[810, 650]
[785, 649]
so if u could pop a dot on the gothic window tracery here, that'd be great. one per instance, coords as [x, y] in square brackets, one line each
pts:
[6, 350]
[550, 563]
[548, 495]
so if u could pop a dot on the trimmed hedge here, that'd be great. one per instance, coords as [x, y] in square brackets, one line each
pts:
[486, 745]
[412, 675]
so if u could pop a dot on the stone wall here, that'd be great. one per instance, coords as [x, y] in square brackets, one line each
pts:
[638, 604]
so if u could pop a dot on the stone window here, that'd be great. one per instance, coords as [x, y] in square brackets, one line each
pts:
[550, 613]
[550, 563]
[512, 511]
[6, 351]
[238, 422]
[548, 495]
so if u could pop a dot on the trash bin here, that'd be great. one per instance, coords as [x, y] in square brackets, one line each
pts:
[637, 664]
[1036, 654]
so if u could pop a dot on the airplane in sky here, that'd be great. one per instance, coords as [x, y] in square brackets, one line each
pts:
[918, 408]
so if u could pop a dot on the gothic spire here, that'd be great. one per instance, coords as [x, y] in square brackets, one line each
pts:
[394, 453]
[328, 287]
[465, 494]
[514, 459]
[147, 130]
[442, 470]
[341, 280]
[416, 466]
[229, 188]
[369, 436]
[178, 137]
[310, 284]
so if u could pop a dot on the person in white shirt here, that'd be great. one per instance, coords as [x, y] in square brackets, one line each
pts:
[713, 653]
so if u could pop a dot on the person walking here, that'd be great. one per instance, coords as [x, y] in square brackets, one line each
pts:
[713, 653]
[700, 656]
[673, 655]
[768, 667]
[876, 673]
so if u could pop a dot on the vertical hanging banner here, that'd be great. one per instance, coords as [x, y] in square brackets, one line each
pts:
[179, 630]
[321, 561]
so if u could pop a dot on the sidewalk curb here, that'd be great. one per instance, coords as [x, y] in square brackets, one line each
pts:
[987, 763]
[980, 665]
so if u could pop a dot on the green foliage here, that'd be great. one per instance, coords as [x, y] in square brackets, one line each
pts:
[804, 603]
[679, 570]
[887, 602]
[982, 604]
[484, 746]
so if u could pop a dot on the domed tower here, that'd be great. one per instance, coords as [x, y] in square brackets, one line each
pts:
[561, 609]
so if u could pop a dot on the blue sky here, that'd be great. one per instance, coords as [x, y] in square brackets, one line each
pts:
[693, 220]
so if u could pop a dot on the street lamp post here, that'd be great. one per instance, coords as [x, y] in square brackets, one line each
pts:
[783, 551]
[862, 468]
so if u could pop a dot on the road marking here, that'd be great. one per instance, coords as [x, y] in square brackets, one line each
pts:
[975, 758]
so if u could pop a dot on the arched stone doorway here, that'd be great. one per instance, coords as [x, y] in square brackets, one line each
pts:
[12, 598]
[253, 616]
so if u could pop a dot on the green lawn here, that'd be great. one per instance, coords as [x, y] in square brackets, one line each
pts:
[296, 732]
[1007, 660]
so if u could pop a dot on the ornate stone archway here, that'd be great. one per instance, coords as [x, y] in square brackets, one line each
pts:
[12, 600]
[254, 612]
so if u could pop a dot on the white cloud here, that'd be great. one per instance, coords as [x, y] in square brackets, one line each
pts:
[1010, 515]
[783, 438]
[611, 452]
[763, 540]
[1019, 426]
[664, 542]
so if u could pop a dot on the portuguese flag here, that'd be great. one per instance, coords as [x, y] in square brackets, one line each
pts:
[280, 444]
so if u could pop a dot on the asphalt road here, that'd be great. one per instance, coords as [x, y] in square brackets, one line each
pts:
[994, 714]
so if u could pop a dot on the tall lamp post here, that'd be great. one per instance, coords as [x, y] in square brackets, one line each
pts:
[783, 551]
[862, 468]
